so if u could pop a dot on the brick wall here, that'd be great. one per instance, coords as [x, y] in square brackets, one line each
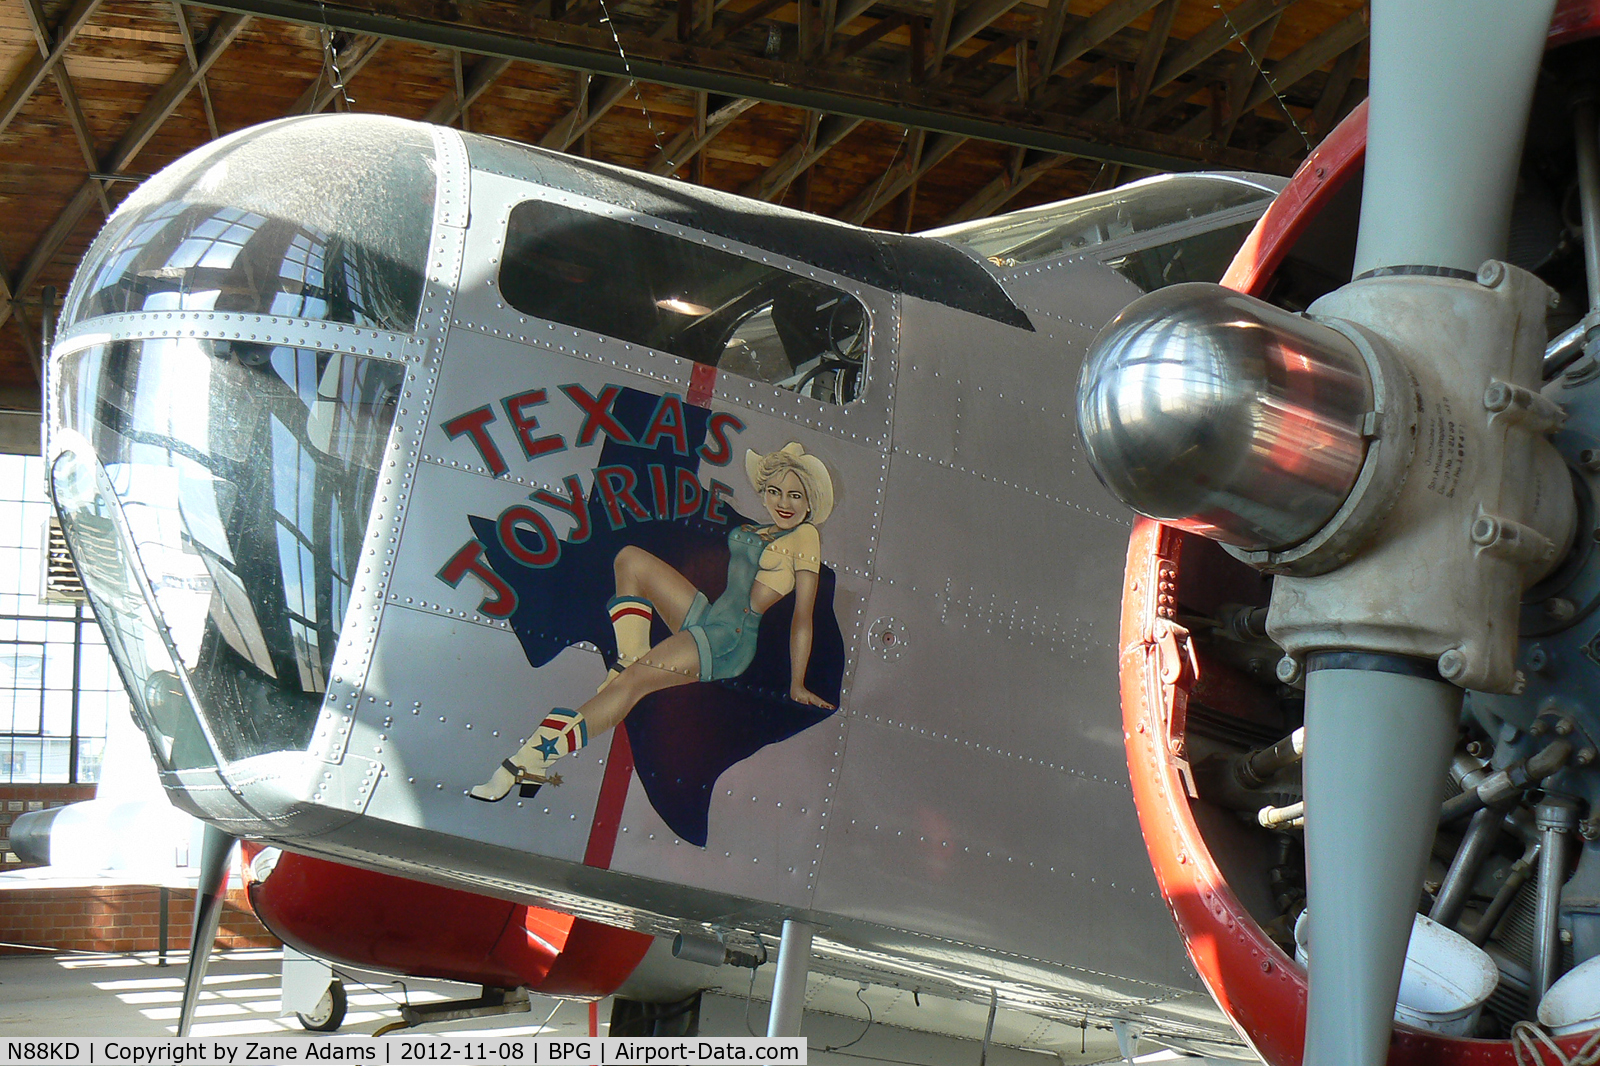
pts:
[122, 918]
[19, 799]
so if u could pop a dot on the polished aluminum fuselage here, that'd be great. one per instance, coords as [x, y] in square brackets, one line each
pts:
[962, 823]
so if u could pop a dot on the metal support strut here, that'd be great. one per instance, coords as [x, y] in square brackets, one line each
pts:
[789, 989]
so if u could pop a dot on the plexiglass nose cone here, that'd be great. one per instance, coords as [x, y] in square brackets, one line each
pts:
[1223, 415]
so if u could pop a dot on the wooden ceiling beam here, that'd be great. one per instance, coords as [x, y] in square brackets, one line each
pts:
[1340, 94]
[898, 178]
[944, 13]
[38, 68]
[846, 48]
[182, 20]
[348, 61]
[1002, 188]
[1248, 69]
[1051, 27]
[1155, 45]
[1226, 28]
[1308, 59]
[1095, 30]
[976, 18]
[687, 144]
[601, 95]
[800, 157]
[159, 108]
[69, 99]
[474, 84]
[519, 33]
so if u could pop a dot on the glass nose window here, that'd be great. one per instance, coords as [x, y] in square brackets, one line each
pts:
[232, 495]
[91, 520]
[325, 218]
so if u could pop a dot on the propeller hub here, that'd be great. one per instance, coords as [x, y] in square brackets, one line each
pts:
[1223, 415]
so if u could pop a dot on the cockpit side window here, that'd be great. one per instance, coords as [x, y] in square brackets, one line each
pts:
[678, 296]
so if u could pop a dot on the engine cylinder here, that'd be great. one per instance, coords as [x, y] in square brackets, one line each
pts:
[1225, 416]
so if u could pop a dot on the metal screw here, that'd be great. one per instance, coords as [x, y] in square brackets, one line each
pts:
[1538, 728]
[1559, 609]
[1564, 727]
[1491, 273]
[1289, 670]
[1585, 756]
[1452, 664]
[1538, 658]
[1496, 397]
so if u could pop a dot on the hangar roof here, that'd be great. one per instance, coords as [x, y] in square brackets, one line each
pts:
[900, 114]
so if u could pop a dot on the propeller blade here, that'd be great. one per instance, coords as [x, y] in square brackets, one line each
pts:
[216, 849]
[1451, 88]
[1377, 748]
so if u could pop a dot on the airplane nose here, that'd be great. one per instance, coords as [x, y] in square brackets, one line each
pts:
[30, 835]
[1221, 414]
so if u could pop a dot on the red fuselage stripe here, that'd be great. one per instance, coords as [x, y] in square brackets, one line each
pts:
[608, 808]
[702, 379]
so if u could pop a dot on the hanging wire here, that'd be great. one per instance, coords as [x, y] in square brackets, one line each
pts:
[330, 60]
[1283, 104]
[627, 68]
[864, 1031]
[872, 205]
[749, 994]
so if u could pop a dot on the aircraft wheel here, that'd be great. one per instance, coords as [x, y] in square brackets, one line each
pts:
[329, 1012]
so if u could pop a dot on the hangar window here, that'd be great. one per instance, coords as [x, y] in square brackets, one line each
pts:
[59, 692]
[678, 296]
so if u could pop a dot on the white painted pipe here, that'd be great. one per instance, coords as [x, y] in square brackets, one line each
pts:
[789, 989]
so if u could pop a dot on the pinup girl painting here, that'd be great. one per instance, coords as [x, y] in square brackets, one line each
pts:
[709, 641]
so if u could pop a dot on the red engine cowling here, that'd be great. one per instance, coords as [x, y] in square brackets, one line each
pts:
[383, 922]
[1262, 989]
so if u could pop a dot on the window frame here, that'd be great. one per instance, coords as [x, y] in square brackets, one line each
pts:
[866, 297]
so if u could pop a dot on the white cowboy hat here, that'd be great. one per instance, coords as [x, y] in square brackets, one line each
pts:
[811, 471]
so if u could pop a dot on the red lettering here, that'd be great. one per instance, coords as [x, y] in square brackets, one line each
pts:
[658, 486]
[716, 432]
[574, 506]
[616, 485]
[525, 423]
[689, 494]
[714, 498]
[472, 423]
[668, 422]
[506, 529]
[597, 416]
[469, 560]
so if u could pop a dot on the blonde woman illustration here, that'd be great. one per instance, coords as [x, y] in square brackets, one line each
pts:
[709, 641]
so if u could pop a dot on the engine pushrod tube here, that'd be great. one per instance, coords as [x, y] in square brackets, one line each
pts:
[1516, 877]
[1476, 845]
[1557, 821]
[1261, 766]
[1588, 148]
